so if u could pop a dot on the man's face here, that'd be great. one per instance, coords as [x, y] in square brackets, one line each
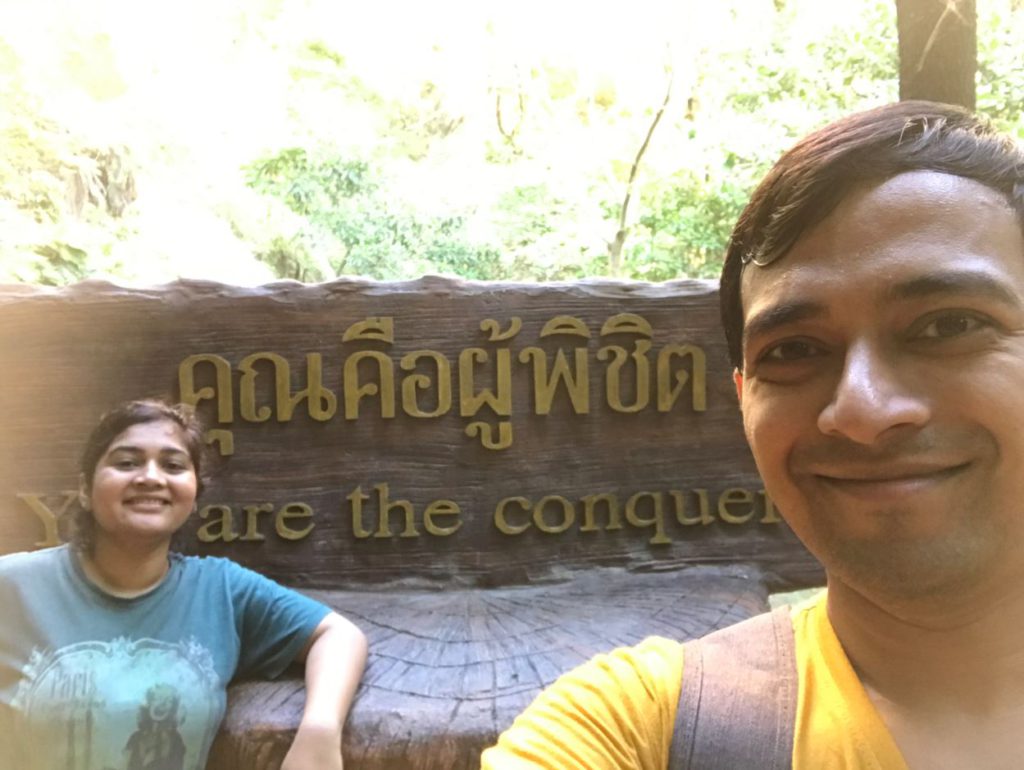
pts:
[883, 386]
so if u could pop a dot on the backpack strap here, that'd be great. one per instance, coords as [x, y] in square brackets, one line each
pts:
[737, 704]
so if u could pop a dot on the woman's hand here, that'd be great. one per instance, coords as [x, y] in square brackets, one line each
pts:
[335, 657]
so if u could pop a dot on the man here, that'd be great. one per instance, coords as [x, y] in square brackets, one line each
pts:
[873, 302]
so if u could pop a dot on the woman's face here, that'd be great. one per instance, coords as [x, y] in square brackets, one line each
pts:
[144, 485]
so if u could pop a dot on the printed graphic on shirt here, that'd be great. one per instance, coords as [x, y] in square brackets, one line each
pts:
[120, 705]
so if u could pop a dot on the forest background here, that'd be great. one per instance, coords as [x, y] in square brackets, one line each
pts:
[309, 139]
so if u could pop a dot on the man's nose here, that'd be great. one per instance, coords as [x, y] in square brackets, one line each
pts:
[871, 398]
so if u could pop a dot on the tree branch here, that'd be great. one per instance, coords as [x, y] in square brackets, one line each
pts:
[615, 247]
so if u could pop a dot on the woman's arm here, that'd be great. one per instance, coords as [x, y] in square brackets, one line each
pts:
[335, 656]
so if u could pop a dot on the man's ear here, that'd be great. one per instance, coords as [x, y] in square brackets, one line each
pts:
[737, 378]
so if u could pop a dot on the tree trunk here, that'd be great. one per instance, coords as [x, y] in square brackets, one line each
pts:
[938, 50]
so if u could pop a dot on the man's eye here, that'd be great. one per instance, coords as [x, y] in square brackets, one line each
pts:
[951, 325]
[792, 350]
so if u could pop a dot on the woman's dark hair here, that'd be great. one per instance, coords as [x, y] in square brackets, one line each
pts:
[113, 424]
[811, 179]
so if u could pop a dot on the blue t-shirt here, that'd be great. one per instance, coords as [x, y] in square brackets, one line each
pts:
[89, 680]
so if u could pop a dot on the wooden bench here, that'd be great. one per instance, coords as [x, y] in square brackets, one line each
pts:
[450, 669]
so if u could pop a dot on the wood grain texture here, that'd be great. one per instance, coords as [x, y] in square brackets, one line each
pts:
[465, 628]
[449, 670]
[67, 355]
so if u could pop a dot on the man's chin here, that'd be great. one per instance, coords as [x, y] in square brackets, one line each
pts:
[911, 570]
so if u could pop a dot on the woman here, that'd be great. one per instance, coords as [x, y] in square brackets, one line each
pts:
[116, 652]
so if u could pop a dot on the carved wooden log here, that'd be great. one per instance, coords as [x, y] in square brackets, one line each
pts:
[449, 670]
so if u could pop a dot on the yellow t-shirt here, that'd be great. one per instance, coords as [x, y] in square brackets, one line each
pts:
[617, 711]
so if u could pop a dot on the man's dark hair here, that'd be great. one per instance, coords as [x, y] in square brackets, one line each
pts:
[811, 179]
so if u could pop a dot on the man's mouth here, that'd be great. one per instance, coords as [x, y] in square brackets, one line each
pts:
[890, 480]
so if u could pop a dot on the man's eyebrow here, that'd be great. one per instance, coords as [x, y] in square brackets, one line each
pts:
[956, 282]
[779, 315]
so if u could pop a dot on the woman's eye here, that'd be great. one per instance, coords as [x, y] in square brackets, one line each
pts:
[951, 325]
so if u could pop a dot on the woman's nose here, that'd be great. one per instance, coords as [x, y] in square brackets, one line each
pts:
[150, 473]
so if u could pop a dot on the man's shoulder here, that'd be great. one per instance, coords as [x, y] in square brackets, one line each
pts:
[654, 657]
[739, 690]
[631, 692]
[780, 631]
[640, 679]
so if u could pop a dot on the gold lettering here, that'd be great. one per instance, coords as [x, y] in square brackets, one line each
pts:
[611, 503]
[771, 516]
[354, 392]
[46, 516]
[190, 395]
[290, 512]
[486, 434]
[502, 523]
[492, 329]
[613, 385]
[704, 517]
[441, 508]
[357, 498]
[322, 402]
[252, 520]
[224, 439]
[378, 328]
[658, 522]
[668, 392]
[568, 514]
[414, 382]
[565, 324]
[384, 509]
[735, 496]
[544, 387]
[247, 387]
[220, 528]
[627, 323]
[500, 397]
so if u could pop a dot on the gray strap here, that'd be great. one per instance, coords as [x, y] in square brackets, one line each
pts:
[737, 705]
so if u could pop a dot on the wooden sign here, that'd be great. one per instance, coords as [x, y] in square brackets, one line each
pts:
[495, 481]
[435, 429]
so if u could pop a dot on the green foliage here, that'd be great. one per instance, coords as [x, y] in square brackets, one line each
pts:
[778, 91]
[830, 74]
[59, 264]
[31, 164]
[687, 225]
[452, 149]
[1000, 81]
[55, 212]
[364, 231]
[446, 249]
